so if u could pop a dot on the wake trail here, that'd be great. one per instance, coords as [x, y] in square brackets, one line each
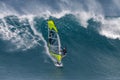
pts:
[40, 35]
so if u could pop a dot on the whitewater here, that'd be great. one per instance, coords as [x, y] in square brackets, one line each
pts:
[89, 29]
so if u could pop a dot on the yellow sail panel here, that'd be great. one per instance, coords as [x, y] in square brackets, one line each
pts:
[51, 25]
[56, 56]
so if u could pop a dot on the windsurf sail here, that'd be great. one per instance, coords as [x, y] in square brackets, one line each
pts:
[54, 41]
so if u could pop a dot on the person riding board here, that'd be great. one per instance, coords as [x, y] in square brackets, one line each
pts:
[64, 51]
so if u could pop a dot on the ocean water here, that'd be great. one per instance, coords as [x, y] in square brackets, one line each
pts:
[89, 30]
[24, 56]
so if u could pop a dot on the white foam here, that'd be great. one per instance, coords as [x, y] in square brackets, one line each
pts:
[94, 10]
[83, 17]
[6, 10]
[65, 7]
[57, 15]
[20, 41]
[40, 36]
[110, 28]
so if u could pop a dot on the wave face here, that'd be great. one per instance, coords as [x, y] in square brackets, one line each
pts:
[91, 55]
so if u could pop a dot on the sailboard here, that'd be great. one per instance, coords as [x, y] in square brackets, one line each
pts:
[54, 44]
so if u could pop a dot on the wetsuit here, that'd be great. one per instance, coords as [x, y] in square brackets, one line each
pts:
[64, 51]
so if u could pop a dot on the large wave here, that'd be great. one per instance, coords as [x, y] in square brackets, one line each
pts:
[89, 30]
[23, 30]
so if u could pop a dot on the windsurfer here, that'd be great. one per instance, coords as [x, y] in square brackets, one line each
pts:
[64, 51]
